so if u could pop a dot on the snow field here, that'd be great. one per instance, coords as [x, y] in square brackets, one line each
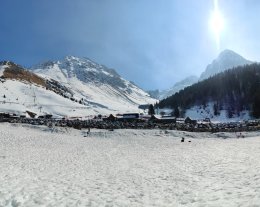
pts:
[20, 97]
[60, 167]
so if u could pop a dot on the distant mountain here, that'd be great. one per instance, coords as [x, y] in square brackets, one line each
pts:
[95, 84]
[226, 60]
[154, 93]
[178, 86]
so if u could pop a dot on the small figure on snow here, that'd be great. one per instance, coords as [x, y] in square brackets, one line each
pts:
[182, 139]
[240, 135]
[88, 132]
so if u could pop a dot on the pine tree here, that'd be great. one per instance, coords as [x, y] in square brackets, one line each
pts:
[216, 109]
[151, 110]
[176, 112]
[256, 106]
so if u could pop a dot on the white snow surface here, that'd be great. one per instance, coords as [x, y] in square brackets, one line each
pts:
[200, 112]
[41, 166]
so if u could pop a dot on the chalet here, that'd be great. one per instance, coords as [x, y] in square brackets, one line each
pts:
[31, 114]
[180, 120]
[129, 117]
[14, 116]
[188, 120]
[164, 119]
[111, 117]
[46, 116]
[145, 118]
[4, 115]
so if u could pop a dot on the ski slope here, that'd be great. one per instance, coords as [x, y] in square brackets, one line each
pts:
[21, 97]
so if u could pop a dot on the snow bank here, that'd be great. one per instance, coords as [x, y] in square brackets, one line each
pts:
[41, 166]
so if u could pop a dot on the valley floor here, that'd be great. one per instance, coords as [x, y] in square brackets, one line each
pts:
[66, 167]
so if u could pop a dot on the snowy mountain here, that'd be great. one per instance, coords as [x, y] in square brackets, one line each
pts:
[226, 60]
[178, 86]
[95, 84]
[23, 92]
[72, 87]
[154, 93]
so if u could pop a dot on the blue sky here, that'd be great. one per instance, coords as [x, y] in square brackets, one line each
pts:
[153, 43]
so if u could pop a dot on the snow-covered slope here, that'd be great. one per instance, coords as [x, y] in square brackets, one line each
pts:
[74, 92]
[23, 91]
[95, 84]
[178, 86]
[226, 60]
[18, 97]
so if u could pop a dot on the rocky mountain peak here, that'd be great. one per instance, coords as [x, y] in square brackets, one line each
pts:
[227, 59]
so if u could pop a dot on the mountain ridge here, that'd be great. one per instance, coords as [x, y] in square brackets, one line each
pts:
[227, 59]
[178, 86]
[72, 68]
[79, 86]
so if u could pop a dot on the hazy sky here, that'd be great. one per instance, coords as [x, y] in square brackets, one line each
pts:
[153, 43]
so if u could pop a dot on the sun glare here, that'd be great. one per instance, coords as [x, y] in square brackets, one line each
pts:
[217, 23]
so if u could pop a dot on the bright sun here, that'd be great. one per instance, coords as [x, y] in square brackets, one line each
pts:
[217, 23]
